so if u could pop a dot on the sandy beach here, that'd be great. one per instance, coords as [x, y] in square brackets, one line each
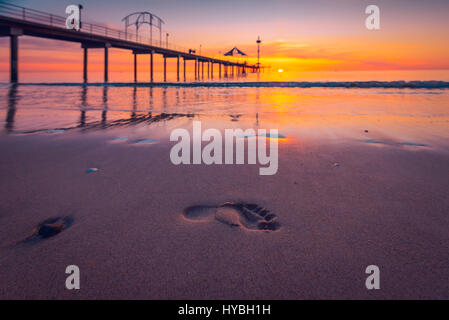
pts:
[344, 199]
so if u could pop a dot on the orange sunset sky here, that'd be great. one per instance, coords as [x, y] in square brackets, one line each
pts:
[307, 35]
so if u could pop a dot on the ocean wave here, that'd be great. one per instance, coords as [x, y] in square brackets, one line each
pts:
[274, 84]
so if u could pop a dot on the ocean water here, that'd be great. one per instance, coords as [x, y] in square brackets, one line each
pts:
[95, 75]
[392, 113]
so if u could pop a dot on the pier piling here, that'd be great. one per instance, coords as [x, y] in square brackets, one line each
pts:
[202, 69]
[106, 62]
[196, 67]
[151, 66]
[177, 69]
[14, 44]
[135, 67]
[184, 69]
[165, 68]
[85, 65]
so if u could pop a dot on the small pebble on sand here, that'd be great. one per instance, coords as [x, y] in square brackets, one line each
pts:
[124, 138]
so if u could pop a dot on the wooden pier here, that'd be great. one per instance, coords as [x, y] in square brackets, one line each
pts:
[17, 21]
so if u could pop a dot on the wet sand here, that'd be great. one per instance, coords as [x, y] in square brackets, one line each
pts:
[383, 204]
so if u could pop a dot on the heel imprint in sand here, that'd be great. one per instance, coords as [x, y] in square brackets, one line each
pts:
[246, 216]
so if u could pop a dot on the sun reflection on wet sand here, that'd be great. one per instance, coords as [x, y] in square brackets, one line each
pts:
[309, 114]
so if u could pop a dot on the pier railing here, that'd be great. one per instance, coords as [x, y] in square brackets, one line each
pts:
[31, 15]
